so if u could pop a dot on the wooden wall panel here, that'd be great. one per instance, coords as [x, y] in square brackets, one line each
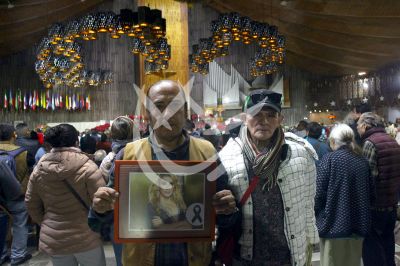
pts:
[107, 101]
[176, 14]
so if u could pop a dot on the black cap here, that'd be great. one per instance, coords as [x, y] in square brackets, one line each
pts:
[260, 98]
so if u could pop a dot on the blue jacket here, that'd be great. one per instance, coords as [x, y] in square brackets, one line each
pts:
[342, 200]
[320, 147]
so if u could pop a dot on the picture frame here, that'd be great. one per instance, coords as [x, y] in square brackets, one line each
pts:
[164, 201]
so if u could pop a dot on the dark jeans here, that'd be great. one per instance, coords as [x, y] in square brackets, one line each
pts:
[378, 246]
[3, 230]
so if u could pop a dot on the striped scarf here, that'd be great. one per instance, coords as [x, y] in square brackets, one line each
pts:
[265, 163]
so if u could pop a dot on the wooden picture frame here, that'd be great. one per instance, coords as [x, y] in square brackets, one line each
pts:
[144, 212]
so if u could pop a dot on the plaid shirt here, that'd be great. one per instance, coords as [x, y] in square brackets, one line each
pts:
[369, 153]
[296, 181]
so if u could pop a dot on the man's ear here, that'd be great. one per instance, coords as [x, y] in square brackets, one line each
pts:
[281, 117]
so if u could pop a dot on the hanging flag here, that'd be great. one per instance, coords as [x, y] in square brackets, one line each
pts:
[21, 100]
[47, 106]
[25, 100]
[56, 101]
[61, 101]
[43, 100]
[40, 96]
[82, 101]
[53, 104]
[30, 101]
[88, 102]
[37, 100]
[70, 102]
[34, 100]
[79, 97]
[10, 100]
[66, 101]
[48, 100]
[5, 100]
[16, 102]
[77, 102]
[73, 101]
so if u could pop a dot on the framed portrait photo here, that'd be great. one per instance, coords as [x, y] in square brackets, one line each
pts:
[164, 201]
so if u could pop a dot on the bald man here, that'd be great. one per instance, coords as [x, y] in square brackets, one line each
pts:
[166, 111]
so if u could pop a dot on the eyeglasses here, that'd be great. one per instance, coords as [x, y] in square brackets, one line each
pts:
[262, 96]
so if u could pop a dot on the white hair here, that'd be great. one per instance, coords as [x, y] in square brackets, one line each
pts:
[342, 135]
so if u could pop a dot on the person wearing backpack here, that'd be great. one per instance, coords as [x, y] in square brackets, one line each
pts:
[25, 140]
[16, 158]
[10, 189]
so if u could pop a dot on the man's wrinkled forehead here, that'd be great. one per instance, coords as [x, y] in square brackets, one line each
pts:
[166, 91]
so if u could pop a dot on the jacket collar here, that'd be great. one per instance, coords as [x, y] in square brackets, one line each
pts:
[372, 131]
[61, 149]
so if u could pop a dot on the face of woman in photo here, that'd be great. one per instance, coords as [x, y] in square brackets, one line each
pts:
[166, 193]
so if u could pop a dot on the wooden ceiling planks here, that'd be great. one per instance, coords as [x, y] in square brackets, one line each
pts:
[333, 37]
[26, 23]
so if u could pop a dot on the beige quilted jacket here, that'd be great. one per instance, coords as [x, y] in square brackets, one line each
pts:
[62, 218]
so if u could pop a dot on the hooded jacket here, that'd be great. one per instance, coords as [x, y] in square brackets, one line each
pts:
[62, 217]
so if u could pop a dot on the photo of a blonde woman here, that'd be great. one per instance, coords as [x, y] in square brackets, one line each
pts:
[159, 202]
[166, 207]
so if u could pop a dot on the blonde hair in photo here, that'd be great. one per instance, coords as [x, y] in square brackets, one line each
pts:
[176, 197]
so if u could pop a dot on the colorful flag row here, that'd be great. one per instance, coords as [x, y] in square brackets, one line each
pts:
[44, 100]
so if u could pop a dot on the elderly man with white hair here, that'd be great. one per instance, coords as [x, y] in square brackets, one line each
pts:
[272, 174]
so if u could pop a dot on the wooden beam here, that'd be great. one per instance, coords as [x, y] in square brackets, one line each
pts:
[177, 34]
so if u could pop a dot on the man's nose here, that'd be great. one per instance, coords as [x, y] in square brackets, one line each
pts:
[264, 118]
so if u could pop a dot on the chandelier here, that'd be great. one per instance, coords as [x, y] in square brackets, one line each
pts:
[60, 58]
[232, 27]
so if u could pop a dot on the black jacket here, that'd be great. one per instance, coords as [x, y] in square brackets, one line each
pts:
[10, 189]
[31, 146]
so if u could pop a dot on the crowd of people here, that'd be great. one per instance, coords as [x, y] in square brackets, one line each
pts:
[279, 195]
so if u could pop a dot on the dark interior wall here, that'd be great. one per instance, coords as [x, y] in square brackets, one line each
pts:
[200, 18]
[107, 101]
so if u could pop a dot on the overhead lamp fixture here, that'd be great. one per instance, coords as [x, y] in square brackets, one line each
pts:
[144, 17]
[59, 57]
[233, 27]
[362, 73]
[10, 5]
[284, 3]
